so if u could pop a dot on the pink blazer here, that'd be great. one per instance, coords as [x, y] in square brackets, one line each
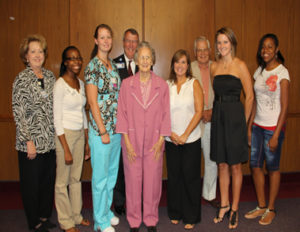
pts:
[143, 124]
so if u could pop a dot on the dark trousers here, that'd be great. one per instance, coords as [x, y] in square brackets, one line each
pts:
[184, 181]
[119, 190]
[37, 178]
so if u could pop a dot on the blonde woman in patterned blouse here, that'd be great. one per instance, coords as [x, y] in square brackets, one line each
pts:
[102, 88]
[32, 102]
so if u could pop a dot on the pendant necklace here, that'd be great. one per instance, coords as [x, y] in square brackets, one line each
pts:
[105, 63]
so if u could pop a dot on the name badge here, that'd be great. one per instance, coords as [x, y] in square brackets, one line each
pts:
[120, 65]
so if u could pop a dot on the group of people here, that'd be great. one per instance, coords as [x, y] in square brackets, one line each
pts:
[134, 115]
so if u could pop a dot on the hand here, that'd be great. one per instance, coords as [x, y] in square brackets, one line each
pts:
[249, 134]
[105, 138]
[31, 150]
[272, 144]
[130, 152]
[157, 148]
[68, 158]
[206, 116]
[87, 151]
[182, 139]
[174, 137]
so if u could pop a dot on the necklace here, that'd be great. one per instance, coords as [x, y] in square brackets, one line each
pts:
[226, 64]
[106, 63]
[39, 74]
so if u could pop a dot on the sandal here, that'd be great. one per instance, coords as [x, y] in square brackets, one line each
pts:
[189, 226]
[233, 221]
[257, 212]
[175, 222]
[267, 217]
[219, 219]
[85, 222]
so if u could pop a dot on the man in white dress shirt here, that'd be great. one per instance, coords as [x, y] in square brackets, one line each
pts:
[201, 71]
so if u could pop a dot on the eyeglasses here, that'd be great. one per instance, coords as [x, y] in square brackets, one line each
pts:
[130, 41]
[74, 58]
[202, 50]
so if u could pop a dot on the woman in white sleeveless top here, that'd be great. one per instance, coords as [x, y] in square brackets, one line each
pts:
[183, 147]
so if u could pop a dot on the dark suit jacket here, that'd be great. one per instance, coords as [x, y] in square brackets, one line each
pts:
[123, 71]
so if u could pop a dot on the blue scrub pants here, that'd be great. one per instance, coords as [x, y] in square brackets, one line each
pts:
[105, 164]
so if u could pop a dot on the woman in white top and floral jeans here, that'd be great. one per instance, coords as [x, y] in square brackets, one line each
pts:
[70, 124]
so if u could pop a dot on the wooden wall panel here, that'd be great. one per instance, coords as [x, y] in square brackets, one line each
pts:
[18, 18]
[175, 25]
[9, 167]
[168, 25]
[290, 161]
[250, 20]
[293, 59]
[84, 18]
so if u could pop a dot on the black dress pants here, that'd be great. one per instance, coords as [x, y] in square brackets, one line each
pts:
[184, 181]
[37, 179]
[119, 190]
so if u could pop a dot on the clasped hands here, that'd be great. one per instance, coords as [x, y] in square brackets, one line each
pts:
[178, 140]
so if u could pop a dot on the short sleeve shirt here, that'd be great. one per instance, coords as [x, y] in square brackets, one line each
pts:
[267, 91]
[108, 83]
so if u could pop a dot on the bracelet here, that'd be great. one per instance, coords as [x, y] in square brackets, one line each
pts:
[105, 132]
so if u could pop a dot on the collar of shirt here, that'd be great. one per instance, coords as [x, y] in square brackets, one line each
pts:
[132, 63]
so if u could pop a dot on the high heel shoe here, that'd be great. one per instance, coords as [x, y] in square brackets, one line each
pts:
[218, 219]
[233, 221]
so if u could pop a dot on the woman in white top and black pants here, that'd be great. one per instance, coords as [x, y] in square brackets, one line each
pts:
[183, 147]
[70, 124]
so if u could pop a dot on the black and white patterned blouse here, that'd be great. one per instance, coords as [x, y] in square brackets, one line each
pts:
[33, 110]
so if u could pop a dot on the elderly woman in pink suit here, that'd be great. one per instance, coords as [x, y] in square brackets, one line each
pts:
[143, 119]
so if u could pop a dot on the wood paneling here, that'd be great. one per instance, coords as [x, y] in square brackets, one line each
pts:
[18, 18]
[168, 25]
[85, 16]
[172, 25]
[9, 167]
[290, 161]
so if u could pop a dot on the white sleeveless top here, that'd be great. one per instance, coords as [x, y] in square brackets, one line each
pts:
[183, 109]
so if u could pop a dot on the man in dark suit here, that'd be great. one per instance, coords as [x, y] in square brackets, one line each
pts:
[126, 67]
[125, 62]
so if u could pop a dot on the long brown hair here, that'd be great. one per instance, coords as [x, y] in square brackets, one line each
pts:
[101, 26]
[231, 37]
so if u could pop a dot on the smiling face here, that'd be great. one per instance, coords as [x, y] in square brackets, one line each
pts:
[269, 50]
[181, 67]
[202, 52]
[35, 55]
[144, 59]
[223, 45]
[130, 43]
[104, 40]
[73, 61]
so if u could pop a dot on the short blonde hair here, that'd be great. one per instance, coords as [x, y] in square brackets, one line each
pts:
[231, 37]
[25, 45]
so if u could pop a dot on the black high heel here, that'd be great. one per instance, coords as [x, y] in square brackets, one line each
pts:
[219, 219]
[233, 222]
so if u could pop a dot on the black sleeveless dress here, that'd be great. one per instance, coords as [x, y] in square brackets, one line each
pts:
[228, 124]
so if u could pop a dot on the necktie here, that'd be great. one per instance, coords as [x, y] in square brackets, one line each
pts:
[129, 68]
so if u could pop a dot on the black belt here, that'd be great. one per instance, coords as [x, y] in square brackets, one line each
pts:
[227, 98]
